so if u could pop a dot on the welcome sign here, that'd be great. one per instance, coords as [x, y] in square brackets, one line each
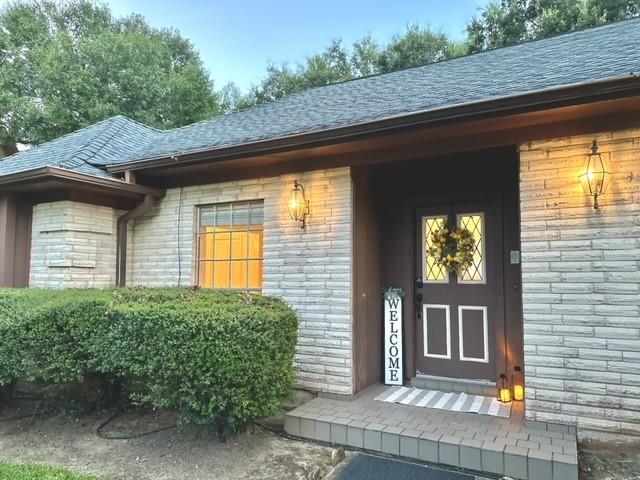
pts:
[393, 374]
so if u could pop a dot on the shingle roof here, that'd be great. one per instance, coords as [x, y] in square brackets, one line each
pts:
[85, 150]
[587, 56]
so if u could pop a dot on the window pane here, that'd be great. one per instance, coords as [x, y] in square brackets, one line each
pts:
[223, 215]
[255, 273]
[241, 214]
[220, 274]
[255, 244]
[206, 275]
[257, 214]
[475, 224]
[239, 245]
[206, 247]
[207, 217]
[239, 274]
[432, 272]
[222, 249]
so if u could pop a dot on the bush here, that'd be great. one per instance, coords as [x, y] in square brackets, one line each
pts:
[220, 359]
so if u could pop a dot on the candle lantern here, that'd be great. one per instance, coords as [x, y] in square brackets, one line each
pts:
[518, 383]
[504, 390]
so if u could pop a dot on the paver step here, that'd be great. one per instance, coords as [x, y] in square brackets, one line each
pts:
[513, 447]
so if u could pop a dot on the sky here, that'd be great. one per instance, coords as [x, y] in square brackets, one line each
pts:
[238, 39]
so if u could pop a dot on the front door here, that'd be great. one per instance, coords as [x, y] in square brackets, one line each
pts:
[460, 318]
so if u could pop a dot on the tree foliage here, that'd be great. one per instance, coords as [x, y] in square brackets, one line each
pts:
[68, 65]
[508, 22]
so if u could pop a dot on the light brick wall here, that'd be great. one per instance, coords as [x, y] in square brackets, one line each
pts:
[581, 284]
[73, 245]
[310, 269]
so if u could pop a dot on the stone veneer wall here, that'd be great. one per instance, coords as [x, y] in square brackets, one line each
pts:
[581, 284]
[73, 245]
[310, 269]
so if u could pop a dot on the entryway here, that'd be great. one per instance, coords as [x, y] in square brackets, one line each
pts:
[461, 330]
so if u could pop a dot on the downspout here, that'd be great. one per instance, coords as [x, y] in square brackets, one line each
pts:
[121, 237]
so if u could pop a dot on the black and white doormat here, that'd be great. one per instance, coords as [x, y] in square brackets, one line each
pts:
[454, 402]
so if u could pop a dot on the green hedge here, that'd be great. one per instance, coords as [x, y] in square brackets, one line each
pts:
[218, 358]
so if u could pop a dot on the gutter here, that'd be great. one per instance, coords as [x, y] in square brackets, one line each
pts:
[121, 237]
[553, 97]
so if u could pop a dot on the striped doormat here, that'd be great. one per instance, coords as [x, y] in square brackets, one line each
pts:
[454, 402]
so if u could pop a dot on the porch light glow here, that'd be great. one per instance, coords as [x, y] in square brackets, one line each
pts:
[297, 204]
[596, 175]
[518, 384]
[504, 391]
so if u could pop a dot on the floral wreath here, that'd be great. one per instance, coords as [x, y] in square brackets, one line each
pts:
[452, 248]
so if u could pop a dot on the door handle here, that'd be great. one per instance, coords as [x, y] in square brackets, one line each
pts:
[419, 304]
[419, 282]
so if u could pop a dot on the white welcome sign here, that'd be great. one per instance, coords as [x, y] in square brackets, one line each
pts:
[393, 374]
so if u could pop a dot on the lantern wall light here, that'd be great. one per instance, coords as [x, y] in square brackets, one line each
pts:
[297, 204]
[596, 176]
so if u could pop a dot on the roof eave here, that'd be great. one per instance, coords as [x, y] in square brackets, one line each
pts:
[72, 178]
[538, 100]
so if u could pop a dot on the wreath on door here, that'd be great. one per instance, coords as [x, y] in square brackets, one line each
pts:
[452, 248]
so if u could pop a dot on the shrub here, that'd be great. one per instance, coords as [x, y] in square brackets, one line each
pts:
[220, 359]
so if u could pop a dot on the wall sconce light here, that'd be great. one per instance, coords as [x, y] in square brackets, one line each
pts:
[297, 204]
[518, 384]
[596, 175]
[504, 391]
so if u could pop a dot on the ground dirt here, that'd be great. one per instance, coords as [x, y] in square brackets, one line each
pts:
[611, 460]
[71, 441]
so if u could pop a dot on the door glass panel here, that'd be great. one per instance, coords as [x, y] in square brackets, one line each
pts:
[475, 224]
[431, 271]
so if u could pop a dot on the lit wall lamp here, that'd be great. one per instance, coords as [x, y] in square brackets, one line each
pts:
[595, 178]
[297, 204]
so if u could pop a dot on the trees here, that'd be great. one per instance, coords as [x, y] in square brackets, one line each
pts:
[68, 65]
[416, 46]
[507, 22]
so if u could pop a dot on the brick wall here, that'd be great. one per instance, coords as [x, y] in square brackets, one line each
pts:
[309, 269]
[581, 284]
[73, 245]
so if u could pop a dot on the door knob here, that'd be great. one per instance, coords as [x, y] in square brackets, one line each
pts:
[419, 282]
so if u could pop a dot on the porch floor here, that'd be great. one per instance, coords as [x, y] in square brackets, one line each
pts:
[483, 443]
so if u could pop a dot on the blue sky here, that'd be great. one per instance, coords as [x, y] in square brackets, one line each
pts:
[237, 39]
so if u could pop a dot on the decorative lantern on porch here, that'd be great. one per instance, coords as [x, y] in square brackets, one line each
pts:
[518, 383]
[596, 175]
[504, 390]
[297, 204]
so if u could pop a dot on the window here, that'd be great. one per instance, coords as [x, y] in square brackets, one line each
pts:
[432, 272]
[475, 224]
[230, 239]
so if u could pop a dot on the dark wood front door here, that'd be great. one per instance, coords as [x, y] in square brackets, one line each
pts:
[460, 318]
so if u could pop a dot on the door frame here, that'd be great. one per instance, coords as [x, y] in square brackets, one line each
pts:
[486, 201]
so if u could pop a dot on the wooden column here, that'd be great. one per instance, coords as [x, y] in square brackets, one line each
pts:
[15, 242]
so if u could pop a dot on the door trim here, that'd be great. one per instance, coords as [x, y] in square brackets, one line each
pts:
[485, 333]
[447, 309]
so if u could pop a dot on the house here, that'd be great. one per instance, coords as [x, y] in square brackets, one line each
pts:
[496, 142]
